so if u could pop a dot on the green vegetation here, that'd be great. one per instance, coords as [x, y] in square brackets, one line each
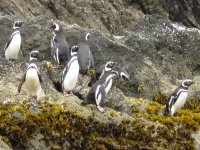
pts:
[60, 127]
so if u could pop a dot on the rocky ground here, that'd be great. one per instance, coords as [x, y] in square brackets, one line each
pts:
[157, 53]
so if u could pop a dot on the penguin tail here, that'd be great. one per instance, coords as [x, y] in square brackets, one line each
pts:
[20, 86]
[85, 101]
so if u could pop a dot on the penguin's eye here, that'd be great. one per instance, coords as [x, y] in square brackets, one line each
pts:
[110, 65]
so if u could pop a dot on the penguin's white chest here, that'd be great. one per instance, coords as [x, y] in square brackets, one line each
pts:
[14, 47]
[71, 77]
[179, 103]
[32, 83]
[109, 84]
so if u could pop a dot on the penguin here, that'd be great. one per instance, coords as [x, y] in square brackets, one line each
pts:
[100, 88]
[85, 57]
[59, 46]
[122, 73]
[100, 70]
[13, 44]
[70, 72]
[32, 78]
[178, 98]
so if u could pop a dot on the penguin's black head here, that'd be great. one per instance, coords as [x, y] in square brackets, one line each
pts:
[74, 50]
[187, 82]
[121, 72]
[85, 37]
[34, 54]
[109, 65]
[55, 27]
[17, 24]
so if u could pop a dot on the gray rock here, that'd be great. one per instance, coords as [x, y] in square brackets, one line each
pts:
[4, 146]
[107, 16]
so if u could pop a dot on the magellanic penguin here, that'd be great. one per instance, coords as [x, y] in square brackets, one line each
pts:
[99, 90]
[32, 78]
[13, 44]
[85, 57]
[100, 70]
[70, 72]
[178, 98]
[59, 46]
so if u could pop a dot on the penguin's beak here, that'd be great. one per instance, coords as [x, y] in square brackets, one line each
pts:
[126, 77]
[20, 23]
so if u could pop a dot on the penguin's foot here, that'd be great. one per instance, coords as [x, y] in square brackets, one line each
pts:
[71, 94]
[84, 102]
[101, 109]
[65, 94]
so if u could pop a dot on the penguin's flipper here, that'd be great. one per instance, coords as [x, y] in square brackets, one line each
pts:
[63, 75]
[8, 42]
[91, 60]
[41, 82]
[169, 104]
[54, 47]
[22, 51]
[43, 87]
[100, 96]
[39, 76]
[99, 72]
[21, 83]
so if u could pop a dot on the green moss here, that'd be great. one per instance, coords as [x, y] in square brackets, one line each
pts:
[153, 108]
[192, 103]
[148, 129]
[136, 105]
[160, 98]
[90, 72]
[6, 140]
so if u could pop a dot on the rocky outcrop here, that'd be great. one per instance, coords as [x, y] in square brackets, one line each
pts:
[106, 16]
[185, 12]
[157, 53]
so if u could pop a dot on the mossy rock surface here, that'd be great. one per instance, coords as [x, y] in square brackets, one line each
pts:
[66, 124]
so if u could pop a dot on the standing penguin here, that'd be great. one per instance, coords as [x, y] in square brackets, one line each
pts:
[70, 73]
[59, 46]
[32, 78]
[178, 98]
[13, 44]
[100, 71]
[99, 90]
[85, 57]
